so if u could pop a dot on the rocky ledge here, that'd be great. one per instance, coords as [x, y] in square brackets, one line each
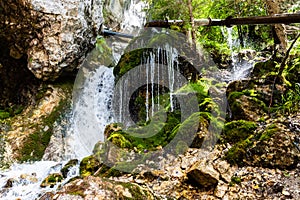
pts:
[54, 35]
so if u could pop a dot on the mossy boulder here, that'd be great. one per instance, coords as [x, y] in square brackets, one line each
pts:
[260, 69]
[89, 165]
[252, 99]
[272, 147]
[154, 134]
[237, 131]
[247, 108]
[52, 180]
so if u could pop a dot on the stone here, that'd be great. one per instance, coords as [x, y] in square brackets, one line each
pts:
[46, 196]
[100, 188]
[285, 193]
[65, 170]
[51, 180]
[54, 35]
[9, 183]
[221, 189]
[204, 174]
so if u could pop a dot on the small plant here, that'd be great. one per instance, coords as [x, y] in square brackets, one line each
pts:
[235, 180]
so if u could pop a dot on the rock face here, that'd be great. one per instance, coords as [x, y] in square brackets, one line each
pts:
[55, 35]
[98, 188]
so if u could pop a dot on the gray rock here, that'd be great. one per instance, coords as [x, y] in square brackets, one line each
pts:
[55, 35]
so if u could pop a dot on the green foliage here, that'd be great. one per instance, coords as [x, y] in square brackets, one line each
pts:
[235, 180]
[4, 114]
[291, 100]
[10, 111]
[214, 39]
[167, 9]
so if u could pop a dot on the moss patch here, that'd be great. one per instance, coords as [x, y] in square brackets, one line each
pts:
[35, 144]
[52, 180]
[89, 165]
[236, 131]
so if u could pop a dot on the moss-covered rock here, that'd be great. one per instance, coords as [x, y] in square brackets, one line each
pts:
[246, 107]
[52, 180]
[271, 147]
[263, 68]
[236, 131]
[89, 165]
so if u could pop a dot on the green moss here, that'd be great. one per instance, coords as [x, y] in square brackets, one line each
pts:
[35, 144]
[268, 132]
[4, 115]
[77, 193]
[52, 180]
[88, 166]
[235, 180]
[113, 171]
[10, 112]
[236, 131]
[136, 191]
[238, 152]
[262, 68]
[159, 134]
[234, 95]
[119, 138]
[128, 61]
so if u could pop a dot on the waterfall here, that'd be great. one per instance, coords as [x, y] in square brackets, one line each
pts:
[83, 126]
[240, 68]
[92, 110]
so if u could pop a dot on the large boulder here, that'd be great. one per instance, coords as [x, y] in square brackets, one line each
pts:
[55, 35]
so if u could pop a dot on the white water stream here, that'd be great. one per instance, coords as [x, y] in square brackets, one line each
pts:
[240, 68]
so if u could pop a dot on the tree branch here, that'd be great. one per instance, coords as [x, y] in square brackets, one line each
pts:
[281, 68]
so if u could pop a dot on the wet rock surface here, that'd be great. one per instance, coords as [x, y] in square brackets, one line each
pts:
[53, 35]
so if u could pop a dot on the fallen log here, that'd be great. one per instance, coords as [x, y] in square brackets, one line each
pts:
[230, 21]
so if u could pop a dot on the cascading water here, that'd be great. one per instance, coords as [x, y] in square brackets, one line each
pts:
[23, 181]
[88, 118]
[241, 68]
[92, 111]
[153, 75]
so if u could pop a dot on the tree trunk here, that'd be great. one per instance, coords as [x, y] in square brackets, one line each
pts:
[280, 37]
[192, 21]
